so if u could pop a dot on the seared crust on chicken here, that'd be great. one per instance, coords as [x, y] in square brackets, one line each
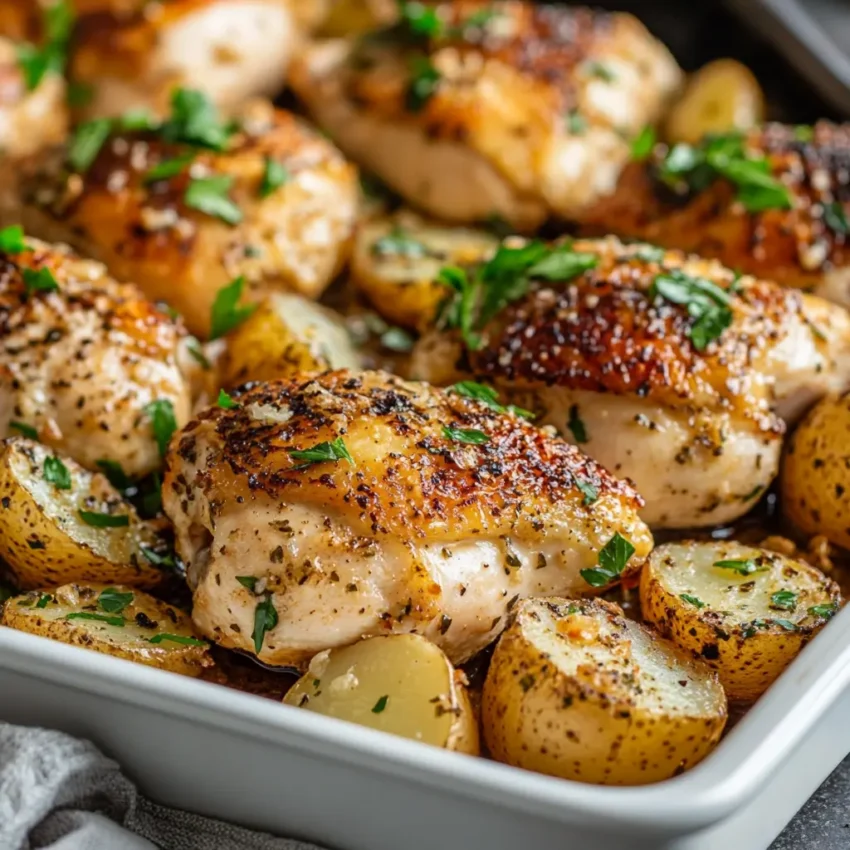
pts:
[615, 367]
[29, 120]
[133, 54]
[294, 237]
[508, 109]
[446, 514]
[80, 363]
[804, 246]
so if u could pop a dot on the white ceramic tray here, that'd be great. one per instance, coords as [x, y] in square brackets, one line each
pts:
[247, 759]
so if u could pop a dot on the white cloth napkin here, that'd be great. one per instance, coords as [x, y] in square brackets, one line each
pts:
[60, 793]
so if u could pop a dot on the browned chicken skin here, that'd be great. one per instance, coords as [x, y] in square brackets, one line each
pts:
[293, 235]
[805, 246]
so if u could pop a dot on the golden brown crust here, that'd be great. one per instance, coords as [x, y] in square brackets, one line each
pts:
[795, 247]
[421, 476]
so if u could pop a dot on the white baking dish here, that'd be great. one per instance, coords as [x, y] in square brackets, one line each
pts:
[243, 758]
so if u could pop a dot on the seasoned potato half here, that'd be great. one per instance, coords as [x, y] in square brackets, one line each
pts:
[61, 523]
[577, 690]
[287, 335]
[117, 620]
[815, 476]
[747, 612]
[723, 96]
[397, 259]
[402, 684]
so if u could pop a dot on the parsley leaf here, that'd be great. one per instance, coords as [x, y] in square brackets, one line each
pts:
[86, 143]
[226, 312]
[692, 600]
[419, 19]
[399, 243]
[226, 401]
[265, 619]
[35, 62]
[163, 422]
[209, 195]
[321, 453]
[196, 352]
[99, 520]
[116, 475]
[247, 581]
[12, 239]
[39, 280]
[471, 436]
[483, 393]
[381, 704]
[563, 264]
[588, 490]
[57, 473]
[785, 600]
[785, 624]
[644, 143]
[423, 84]
[743, 567]
[835, 218]
[826, 609]
[186, 641]
[101, 618]
[114, 601]
[600, 71]
[612, 561]
[27, 430]
[158, 559]
[276, 174]
[576, 123]
[44, 600]
[576, 425]
[168, 168]
[194, 120]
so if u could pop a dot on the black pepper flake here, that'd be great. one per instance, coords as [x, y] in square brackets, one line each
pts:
[144, 621]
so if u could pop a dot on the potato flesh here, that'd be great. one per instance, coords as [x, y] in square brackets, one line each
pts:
[402, 684]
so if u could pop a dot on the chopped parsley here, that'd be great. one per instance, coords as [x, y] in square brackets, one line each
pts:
[226, 312]
[247, 581]
[576, 425]
[186, 641]
[588, 490]
[27, 430]
[644, 143]
[381, 704]
[471, 436]
[101, 520]
[692, 600]
[785, 624]
[159, 559]
[44, 600]
[600, 71]
[12, 239]
[275, 175]
[576, 122]
[57, 473]
[423, 83]
[36, 61]
[163, 422]
[101, 618]
[114, 601]
[487, 395]
[706, 302]
[168, 168]
[651, 253]
[194, 120]
[209, 196]
[784, 600]
[226, 401]
[196, 352]
[322, 452]
[115, 473]
[419, 19]
[826, 609]
[39, 280]
[724, 156]
[86, 143]
[400, 244]
[744, 567]
[613, 557]
[835, 218]
[265, 619]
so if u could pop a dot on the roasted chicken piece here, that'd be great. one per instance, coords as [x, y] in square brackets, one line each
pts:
[185, 207]
[473, 109]
[313, 513]
[772, 202]
[131, 55]
[666, 369]
[86, 364]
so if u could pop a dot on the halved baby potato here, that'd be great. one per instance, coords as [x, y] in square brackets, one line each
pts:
[721, 97]
[397, 259]
[747, 612]
[287, 335]
[119, 621]
[61, 523]
[577, 690]
[402, 684]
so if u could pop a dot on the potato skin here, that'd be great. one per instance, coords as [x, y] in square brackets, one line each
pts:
[748, 658]
[589, 726]
[43, 550]
[815, 475]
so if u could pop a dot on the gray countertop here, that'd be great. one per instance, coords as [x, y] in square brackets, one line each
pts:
[824, 822]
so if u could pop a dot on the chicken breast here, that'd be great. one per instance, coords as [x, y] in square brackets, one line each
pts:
[783, 217]
[473, 109]
[132, 55]
[33, 112]
[82, 358]
[276, 204]
[314, 513]
[666, 369]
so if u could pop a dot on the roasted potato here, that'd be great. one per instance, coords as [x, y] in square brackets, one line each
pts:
[118, 621]
[353, 17]
[815, 475]
[721, 97]
[577, 690]
[397, 259]
[747, 612]
[61, 523]
[402, 684]
[285, 336]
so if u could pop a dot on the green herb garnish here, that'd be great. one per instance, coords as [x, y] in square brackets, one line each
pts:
[114, 601]
[397, 339]
[588, 490]
[36, 61]
[100, 520]
[576, 425]
[381, 704]
[612, 561]
[744, 566]
[826, 609]
[86, 143]
[692, 600]
[186, 641]
[209, 196]
[226, 401]
[27, 430]
[487, 395]
[101, 618]
[168, 168]
[321, 453]
[39, 280]
[785, 600]
[247, 581]
[196, 352]
[116, 475]
[835, 218]
[400, 244]
[12, 239]
[576, 122]
[265, 619]
[471, 436]
[226, 312]
[275, 175]
[57, 473]
[643, 144]
[163, 422]
[44, 600]
[194, 120]
[423, 84]
[158, 559]
[600, 71]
